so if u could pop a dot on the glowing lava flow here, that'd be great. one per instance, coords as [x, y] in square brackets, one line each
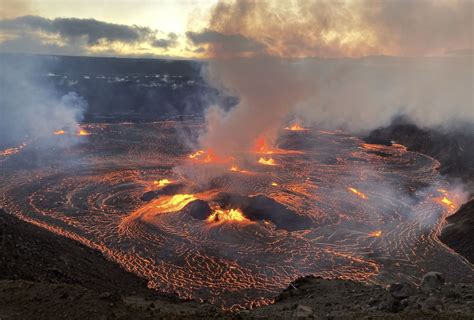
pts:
[261, 146]
[83, 132]
[445, 200]
[174, 203]
[296, 127]
[231, 215]
[10, 151]
[358, 193]
[196, 155]
[234, 168]
[162, 182]
[59, 132]
[375, 234]
[207, 156]
[267, 162]
[448, 202]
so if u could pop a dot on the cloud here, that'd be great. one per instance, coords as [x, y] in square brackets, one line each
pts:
[345, 28]
[169, 42]
[32, 43]
[225, 44]
[199, 50]
[72, 36]
[71, 28]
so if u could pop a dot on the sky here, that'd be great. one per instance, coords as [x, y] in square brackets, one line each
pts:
[224, 29]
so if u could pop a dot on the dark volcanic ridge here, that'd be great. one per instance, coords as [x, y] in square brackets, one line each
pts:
[454, 149]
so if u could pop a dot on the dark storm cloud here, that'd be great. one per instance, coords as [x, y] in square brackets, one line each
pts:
[227, 42]
[31, 43]
[98, 30]
[170, 42]
[73, 28]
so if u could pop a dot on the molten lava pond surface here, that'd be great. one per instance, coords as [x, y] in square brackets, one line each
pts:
[235, 231]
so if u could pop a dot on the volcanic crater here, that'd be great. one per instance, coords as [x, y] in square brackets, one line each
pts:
[320, 203]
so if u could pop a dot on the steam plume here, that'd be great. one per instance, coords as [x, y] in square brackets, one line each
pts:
[30, 108]
[285, 79]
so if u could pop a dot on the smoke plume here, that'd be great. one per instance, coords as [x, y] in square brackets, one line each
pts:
[30, 106]
[428, 77]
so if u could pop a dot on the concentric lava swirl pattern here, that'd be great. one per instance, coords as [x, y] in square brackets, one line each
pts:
[371, 213]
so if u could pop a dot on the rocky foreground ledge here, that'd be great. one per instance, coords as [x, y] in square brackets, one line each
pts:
[46, 276]
[317, 298]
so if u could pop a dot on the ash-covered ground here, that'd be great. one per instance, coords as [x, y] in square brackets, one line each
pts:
[328, 204]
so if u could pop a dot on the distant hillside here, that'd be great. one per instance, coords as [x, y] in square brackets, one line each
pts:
[79, 66]
[121, 89]
[454, 149]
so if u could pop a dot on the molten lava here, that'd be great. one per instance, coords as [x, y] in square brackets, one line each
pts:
[231, 215]
[261, 146]
[196, 155]
[59, 132]
[267, 162]
[234, 168]
[445, 200]
[358, 193]
[10, 151]
[375, 234]
[296, 127]
[162, 182]
[175, 203]
[207, 156]
[83, 132]
[274, 184]
[448, 202]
